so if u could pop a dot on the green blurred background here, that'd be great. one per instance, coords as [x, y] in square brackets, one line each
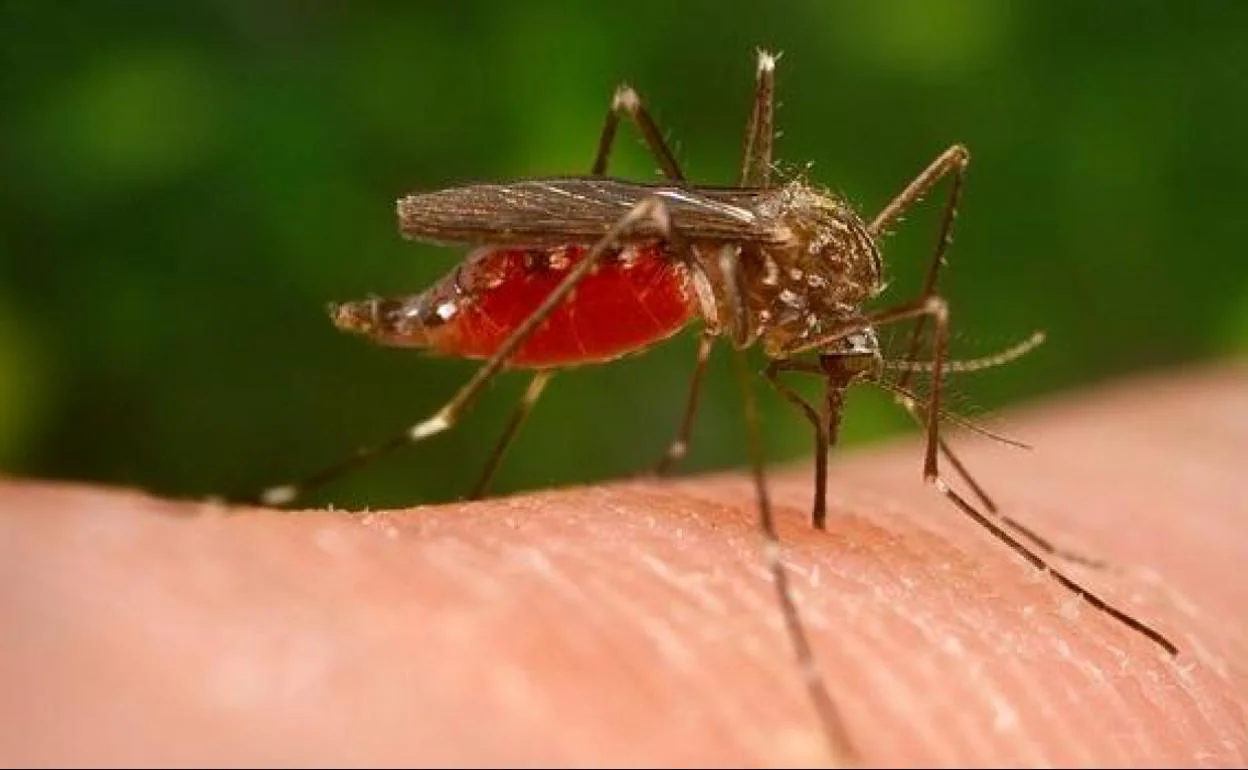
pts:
[185, 185]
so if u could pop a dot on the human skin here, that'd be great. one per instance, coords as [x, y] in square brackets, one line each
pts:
[634, 623]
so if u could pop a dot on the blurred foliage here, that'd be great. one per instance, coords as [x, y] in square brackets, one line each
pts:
[187, 184]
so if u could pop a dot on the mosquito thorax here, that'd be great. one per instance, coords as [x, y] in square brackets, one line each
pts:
[824, 267]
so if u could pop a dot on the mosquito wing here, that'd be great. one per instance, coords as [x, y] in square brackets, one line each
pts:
[576, 209]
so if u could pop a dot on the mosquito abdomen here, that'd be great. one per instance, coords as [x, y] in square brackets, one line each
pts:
[635, 297]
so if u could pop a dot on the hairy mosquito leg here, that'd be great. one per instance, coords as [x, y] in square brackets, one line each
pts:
[760, 126]
[1097, 602]
[755, 172]
[910, 402]
[823, 442]
[626, 102]
[953, 161]
[679, 447]
[839, 380]
[1046, 546]
[934, 307]
[1043, 544]
[829, 716]
[650, 210]
[518, 416]
[835, 733]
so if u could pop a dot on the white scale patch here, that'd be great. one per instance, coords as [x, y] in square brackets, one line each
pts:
[558, 259]
[735, 212]
[446, 311]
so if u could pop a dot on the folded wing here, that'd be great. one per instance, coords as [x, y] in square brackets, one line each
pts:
[574, 210]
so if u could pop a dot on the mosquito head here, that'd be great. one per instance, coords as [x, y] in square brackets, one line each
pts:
[854, 357]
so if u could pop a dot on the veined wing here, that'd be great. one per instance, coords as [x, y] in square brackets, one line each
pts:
[575, 209]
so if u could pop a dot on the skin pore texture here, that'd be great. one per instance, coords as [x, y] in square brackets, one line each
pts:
[633, 623]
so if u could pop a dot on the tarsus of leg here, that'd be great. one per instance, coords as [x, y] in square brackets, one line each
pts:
[679, 446]
[518, 416]
[1095, 601]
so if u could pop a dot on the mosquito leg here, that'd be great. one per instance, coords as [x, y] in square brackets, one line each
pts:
[834, 730]
[679, 447]
[627, 103]
[912, 406]
[756, 170]
[650, 211]
[1039, 563]
[819, 510]
[824, 440]
[518, 416]
[760, 127]
[934, 307]
[952, 161]
[1044, 545]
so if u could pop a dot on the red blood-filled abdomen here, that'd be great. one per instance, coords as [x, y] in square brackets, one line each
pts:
[633, 298]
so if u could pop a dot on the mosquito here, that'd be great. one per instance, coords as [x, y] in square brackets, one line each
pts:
[579, 270]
